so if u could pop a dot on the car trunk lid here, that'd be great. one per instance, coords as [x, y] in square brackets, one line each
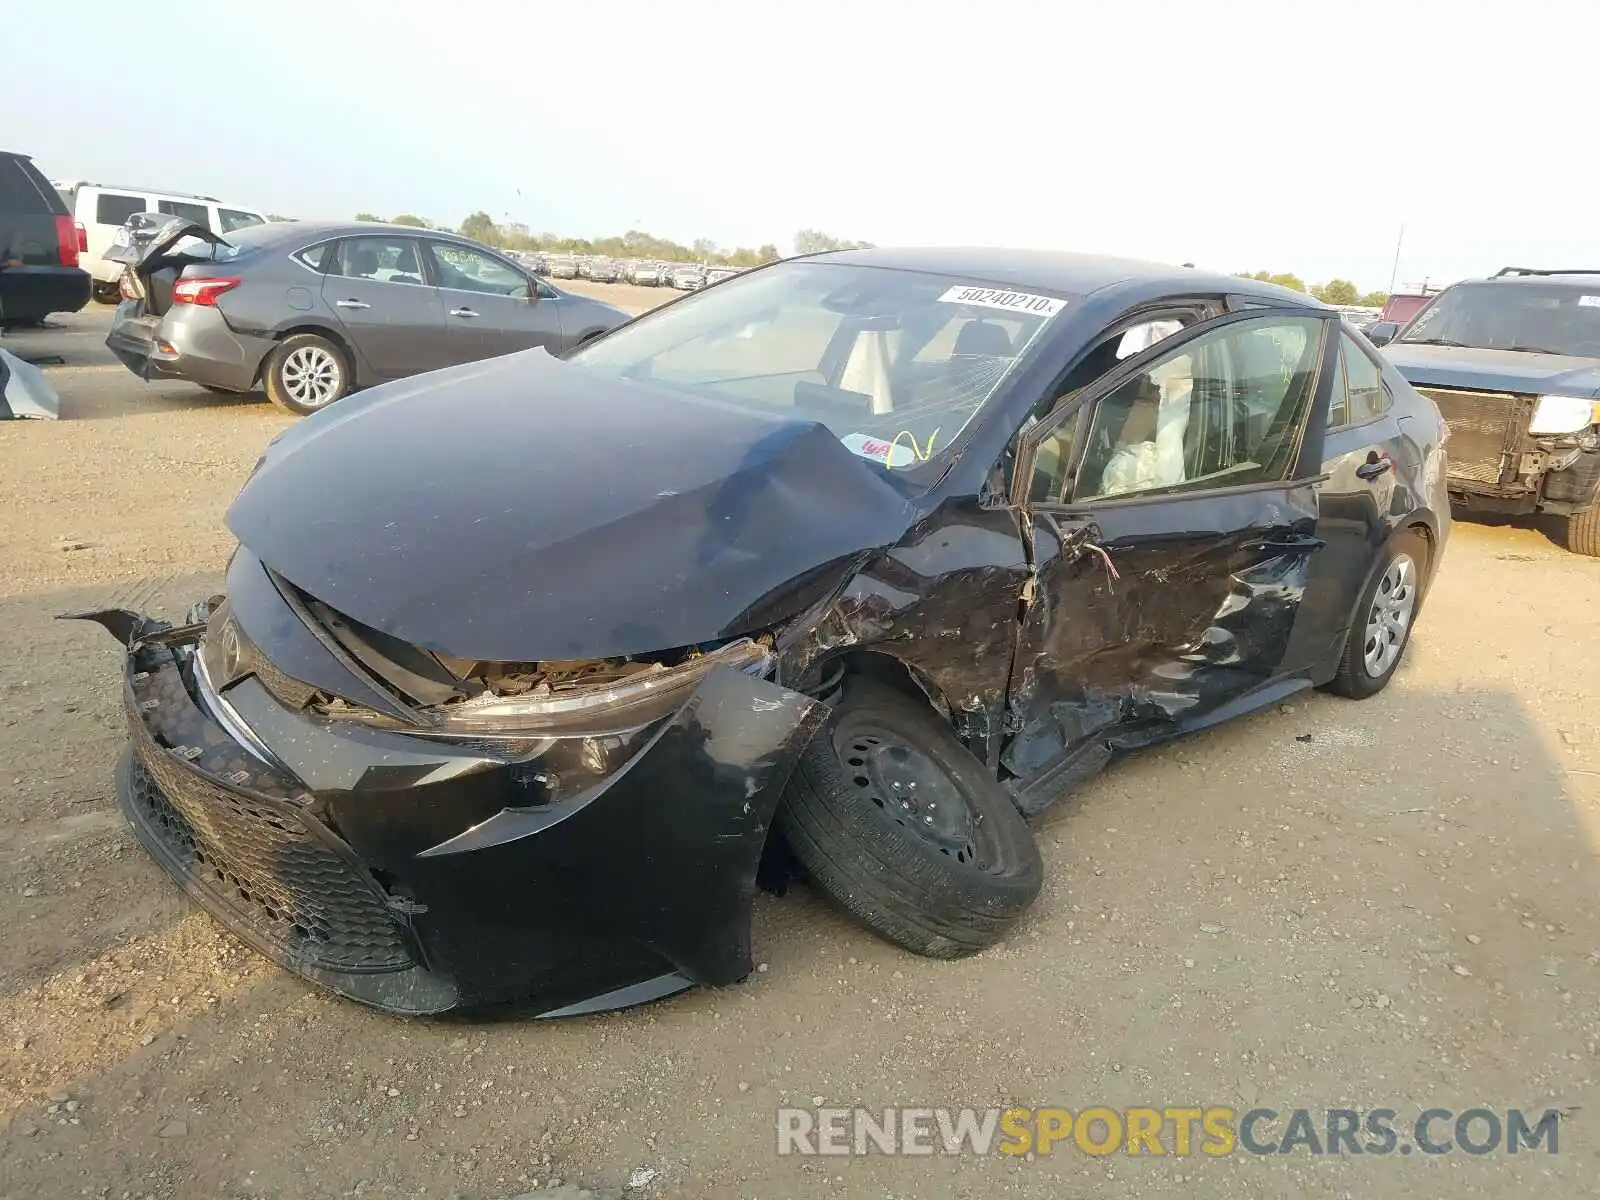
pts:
[157, 262]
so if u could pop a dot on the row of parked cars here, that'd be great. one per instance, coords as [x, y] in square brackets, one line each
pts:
[644, 272]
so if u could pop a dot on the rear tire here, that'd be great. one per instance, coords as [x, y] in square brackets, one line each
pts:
[306, 373]
[1381, 629]
[1583, 532]
[940, 883]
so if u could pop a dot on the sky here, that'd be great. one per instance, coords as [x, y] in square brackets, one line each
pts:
[1240, 135]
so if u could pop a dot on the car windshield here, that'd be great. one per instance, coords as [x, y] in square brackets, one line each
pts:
[895, 363]
[1538, 318]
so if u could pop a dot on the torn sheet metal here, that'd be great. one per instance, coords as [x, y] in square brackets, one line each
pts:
[423, 877]
[25, 393]
[1180, 623]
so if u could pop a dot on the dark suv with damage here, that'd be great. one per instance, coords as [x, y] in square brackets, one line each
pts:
[1513, 362]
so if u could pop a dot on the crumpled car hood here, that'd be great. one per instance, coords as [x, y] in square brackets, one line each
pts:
[522, 509]
[1494, 370]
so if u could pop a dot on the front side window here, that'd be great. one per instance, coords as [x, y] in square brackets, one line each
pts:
[1537, 318]
[114, 208]
[467, 270]
[1223, 410]
[895, 363]
[189, 212]
[383, 259]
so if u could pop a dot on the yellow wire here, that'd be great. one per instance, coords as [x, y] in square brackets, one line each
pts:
[919, 453]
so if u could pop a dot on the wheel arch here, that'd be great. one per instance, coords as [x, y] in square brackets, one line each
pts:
[334, 335]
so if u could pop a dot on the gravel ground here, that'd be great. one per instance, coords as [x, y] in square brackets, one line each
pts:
[1389, 903]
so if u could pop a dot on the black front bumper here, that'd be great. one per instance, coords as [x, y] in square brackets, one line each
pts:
[415, 876]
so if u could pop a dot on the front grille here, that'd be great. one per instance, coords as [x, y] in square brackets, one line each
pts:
[1486, 433]
[258, 860]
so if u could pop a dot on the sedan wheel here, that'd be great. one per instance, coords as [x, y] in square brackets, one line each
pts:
[898, 823]
[1389, 617]
[306, 373]
[1382, 626]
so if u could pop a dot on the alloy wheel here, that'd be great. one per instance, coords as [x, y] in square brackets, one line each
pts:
[312, 376]
[1389, 619]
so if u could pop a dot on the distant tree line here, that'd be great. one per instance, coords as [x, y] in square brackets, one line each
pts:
[636, 243]
[1335, 291]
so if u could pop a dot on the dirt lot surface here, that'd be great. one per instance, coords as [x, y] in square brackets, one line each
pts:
[1392, 903]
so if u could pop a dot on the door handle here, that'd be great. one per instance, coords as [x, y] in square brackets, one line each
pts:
[462, 312]
[1375, 466]
[1291, 541]
[351, 304]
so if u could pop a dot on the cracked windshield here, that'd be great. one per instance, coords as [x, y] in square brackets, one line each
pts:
[895, 363]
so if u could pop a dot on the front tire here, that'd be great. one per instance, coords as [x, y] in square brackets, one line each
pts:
[1583, 532]
[894, 820]
[1381, 630]
[306, 373]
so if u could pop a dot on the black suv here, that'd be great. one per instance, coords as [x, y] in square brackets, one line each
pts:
[1513, 362]
[39, 245]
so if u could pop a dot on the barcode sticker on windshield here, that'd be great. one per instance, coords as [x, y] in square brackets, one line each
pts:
[1589, 301]
[1020, 302]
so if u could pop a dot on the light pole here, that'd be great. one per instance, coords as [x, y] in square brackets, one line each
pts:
[1395, 270]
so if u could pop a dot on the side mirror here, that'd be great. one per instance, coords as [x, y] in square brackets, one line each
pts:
[1382, 332]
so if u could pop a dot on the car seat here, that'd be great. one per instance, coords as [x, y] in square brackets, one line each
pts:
[979, 337]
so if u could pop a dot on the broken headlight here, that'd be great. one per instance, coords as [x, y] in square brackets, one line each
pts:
[595, 708]
[575, 700]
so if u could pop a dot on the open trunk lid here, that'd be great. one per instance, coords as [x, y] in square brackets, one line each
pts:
[161, 254]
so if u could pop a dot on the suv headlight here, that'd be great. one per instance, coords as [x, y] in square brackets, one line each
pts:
[1563, 414]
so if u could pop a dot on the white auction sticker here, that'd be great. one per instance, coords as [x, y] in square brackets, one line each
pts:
[890, 454]
[1019, 302]
[1589, 301]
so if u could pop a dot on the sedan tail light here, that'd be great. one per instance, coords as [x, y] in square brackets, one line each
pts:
[203, 289]
[68, 235]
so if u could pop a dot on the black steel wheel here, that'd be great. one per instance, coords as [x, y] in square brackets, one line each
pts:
[893, 819]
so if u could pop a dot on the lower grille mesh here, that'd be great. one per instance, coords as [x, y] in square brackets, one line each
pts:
[261, 862]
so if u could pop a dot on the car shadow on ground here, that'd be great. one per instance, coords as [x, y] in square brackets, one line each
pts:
[85, 401]
[1552, 528]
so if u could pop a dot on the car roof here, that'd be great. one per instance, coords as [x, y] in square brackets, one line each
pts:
[313, 230]
[1060, 271]
[1589, 279]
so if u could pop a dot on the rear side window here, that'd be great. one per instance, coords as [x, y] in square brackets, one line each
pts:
[384, 259]
[114, 208]
[315, 257]
[1358, 392]
[24, 190]
[189, 212]
[234, 218]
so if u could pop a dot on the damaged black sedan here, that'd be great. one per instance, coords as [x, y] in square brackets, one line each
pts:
[526, 669]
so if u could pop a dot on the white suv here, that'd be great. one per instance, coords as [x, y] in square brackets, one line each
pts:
[101, 209]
